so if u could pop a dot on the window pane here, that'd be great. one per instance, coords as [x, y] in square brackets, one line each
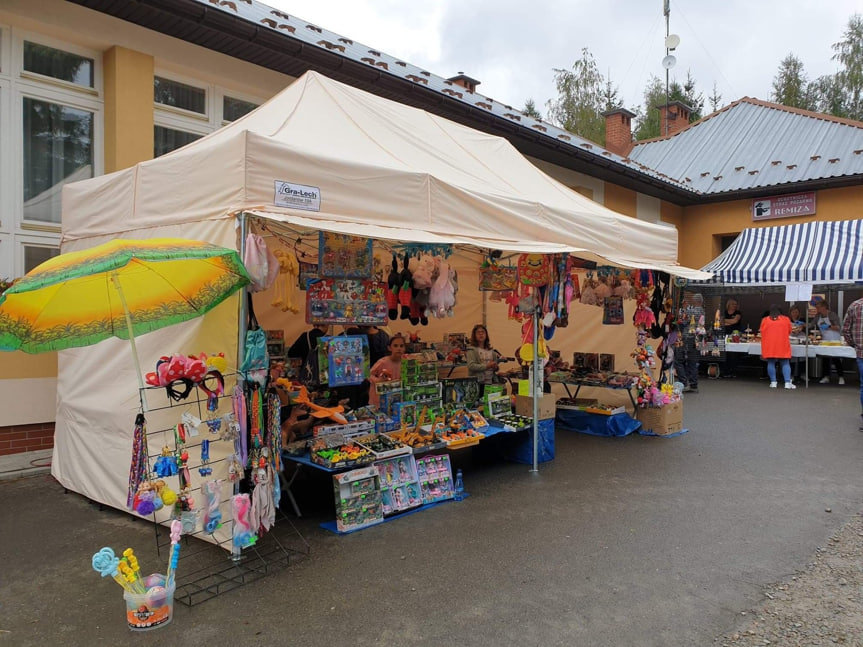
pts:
[58, 64]
[233, 109]
[167, 140]
[179, 95]
[34, 256]
[58, 148]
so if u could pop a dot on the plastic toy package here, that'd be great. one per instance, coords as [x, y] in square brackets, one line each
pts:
[435, 478]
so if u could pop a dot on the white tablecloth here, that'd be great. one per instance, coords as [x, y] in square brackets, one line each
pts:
[797, 350]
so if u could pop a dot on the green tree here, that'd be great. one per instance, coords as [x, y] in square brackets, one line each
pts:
[791, 87]
[582, 97]
[849, 54]
[654, 95]
[828, 95]
[530, 110]
[715, 99]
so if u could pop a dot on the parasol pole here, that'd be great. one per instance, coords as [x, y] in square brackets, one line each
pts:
[115, 279]
[535, 388]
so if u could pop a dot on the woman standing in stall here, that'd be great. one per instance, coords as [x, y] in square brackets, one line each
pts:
[731, 322]
[481, 357]
[776, 345]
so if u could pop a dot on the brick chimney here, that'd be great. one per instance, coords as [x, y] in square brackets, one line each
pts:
[618, 131]
[464, 81]
[674, 115]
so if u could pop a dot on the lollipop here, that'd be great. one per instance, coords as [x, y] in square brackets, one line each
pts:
[176, 533]
[105, 563]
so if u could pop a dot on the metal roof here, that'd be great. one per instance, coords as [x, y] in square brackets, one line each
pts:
[753, 144]
[727, 154]
[252, 31]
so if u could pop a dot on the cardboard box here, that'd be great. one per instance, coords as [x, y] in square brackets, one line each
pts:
[547, 406]
[662, 420]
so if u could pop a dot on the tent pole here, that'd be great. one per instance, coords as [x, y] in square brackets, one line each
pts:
[116, 281]
[241, 328]
[535, 390]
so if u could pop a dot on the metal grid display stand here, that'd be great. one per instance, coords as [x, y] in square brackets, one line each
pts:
[208, 568]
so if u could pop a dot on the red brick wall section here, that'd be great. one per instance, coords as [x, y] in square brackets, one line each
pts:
[26, 438]
[618, 133]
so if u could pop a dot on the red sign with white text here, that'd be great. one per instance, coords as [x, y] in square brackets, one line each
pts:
[784, 206]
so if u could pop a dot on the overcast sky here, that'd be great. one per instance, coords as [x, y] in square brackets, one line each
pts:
[513, 46]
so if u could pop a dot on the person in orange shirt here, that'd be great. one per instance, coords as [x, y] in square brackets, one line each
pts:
[776, 345]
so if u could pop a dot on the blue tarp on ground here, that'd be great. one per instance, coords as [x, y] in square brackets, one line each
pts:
[521, 451]
[620, 424]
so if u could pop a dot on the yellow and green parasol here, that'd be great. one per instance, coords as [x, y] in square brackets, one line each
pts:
[119, 289]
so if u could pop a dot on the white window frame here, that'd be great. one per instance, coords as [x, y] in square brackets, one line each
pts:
[18, 63]
[7, 198]
[5, 52]
[15, 85]
[31, 240]
[182, 113]
[64, 99]
[221, 93]
[194, 122]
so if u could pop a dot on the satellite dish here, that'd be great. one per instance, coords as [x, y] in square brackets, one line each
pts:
[672, 41]
[669, 61]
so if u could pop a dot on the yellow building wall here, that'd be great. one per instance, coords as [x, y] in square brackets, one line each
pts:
[621, 200]
[128, 79]
[703, 226]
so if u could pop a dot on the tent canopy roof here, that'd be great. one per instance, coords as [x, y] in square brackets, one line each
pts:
[809, 252]
[374, 165]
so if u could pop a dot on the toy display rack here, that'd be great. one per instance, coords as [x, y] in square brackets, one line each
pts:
[208, 567]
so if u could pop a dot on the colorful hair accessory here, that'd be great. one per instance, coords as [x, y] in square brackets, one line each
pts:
[243, 536]
[213, 383]
[212, 515]
[175, 392]
[168, 496]
[235, 469]
[166, 464]
[215, 425]
[191, 421]
[189, 521]
[205, 469]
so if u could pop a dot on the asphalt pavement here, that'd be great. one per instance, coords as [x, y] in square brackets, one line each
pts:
[618, 541]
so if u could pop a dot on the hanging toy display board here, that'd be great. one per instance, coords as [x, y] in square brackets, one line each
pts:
[209, 462]
[346, 301]
[343, 256]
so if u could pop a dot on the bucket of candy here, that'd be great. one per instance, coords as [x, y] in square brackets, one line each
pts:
[153, 609]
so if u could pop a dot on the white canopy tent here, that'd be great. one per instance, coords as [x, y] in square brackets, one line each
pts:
[346, 161]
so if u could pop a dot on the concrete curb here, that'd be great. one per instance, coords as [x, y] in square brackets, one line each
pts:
[16, 466]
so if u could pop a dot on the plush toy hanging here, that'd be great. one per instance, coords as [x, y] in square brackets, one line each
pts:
[285, 288]
[392, 290]
[533, 269]
[643, 319]
[405, 290]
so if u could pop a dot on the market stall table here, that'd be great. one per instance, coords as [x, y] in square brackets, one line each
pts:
[797, 350]
[578, 383]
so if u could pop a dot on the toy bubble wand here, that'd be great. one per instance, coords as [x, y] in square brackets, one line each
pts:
[129, 567]
[105, 563]
[176, 532]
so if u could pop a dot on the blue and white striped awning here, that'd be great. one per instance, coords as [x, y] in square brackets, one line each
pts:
[811, 252]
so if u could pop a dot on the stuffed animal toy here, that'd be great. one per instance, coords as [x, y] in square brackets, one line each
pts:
[643, 319]
[405, 290]
[392, 290]
[442, 295]
[285, 287]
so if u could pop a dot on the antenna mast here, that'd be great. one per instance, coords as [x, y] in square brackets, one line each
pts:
[666, 10]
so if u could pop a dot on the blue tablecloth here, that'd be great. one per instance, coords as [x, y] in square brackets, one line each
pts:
[620, 424]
